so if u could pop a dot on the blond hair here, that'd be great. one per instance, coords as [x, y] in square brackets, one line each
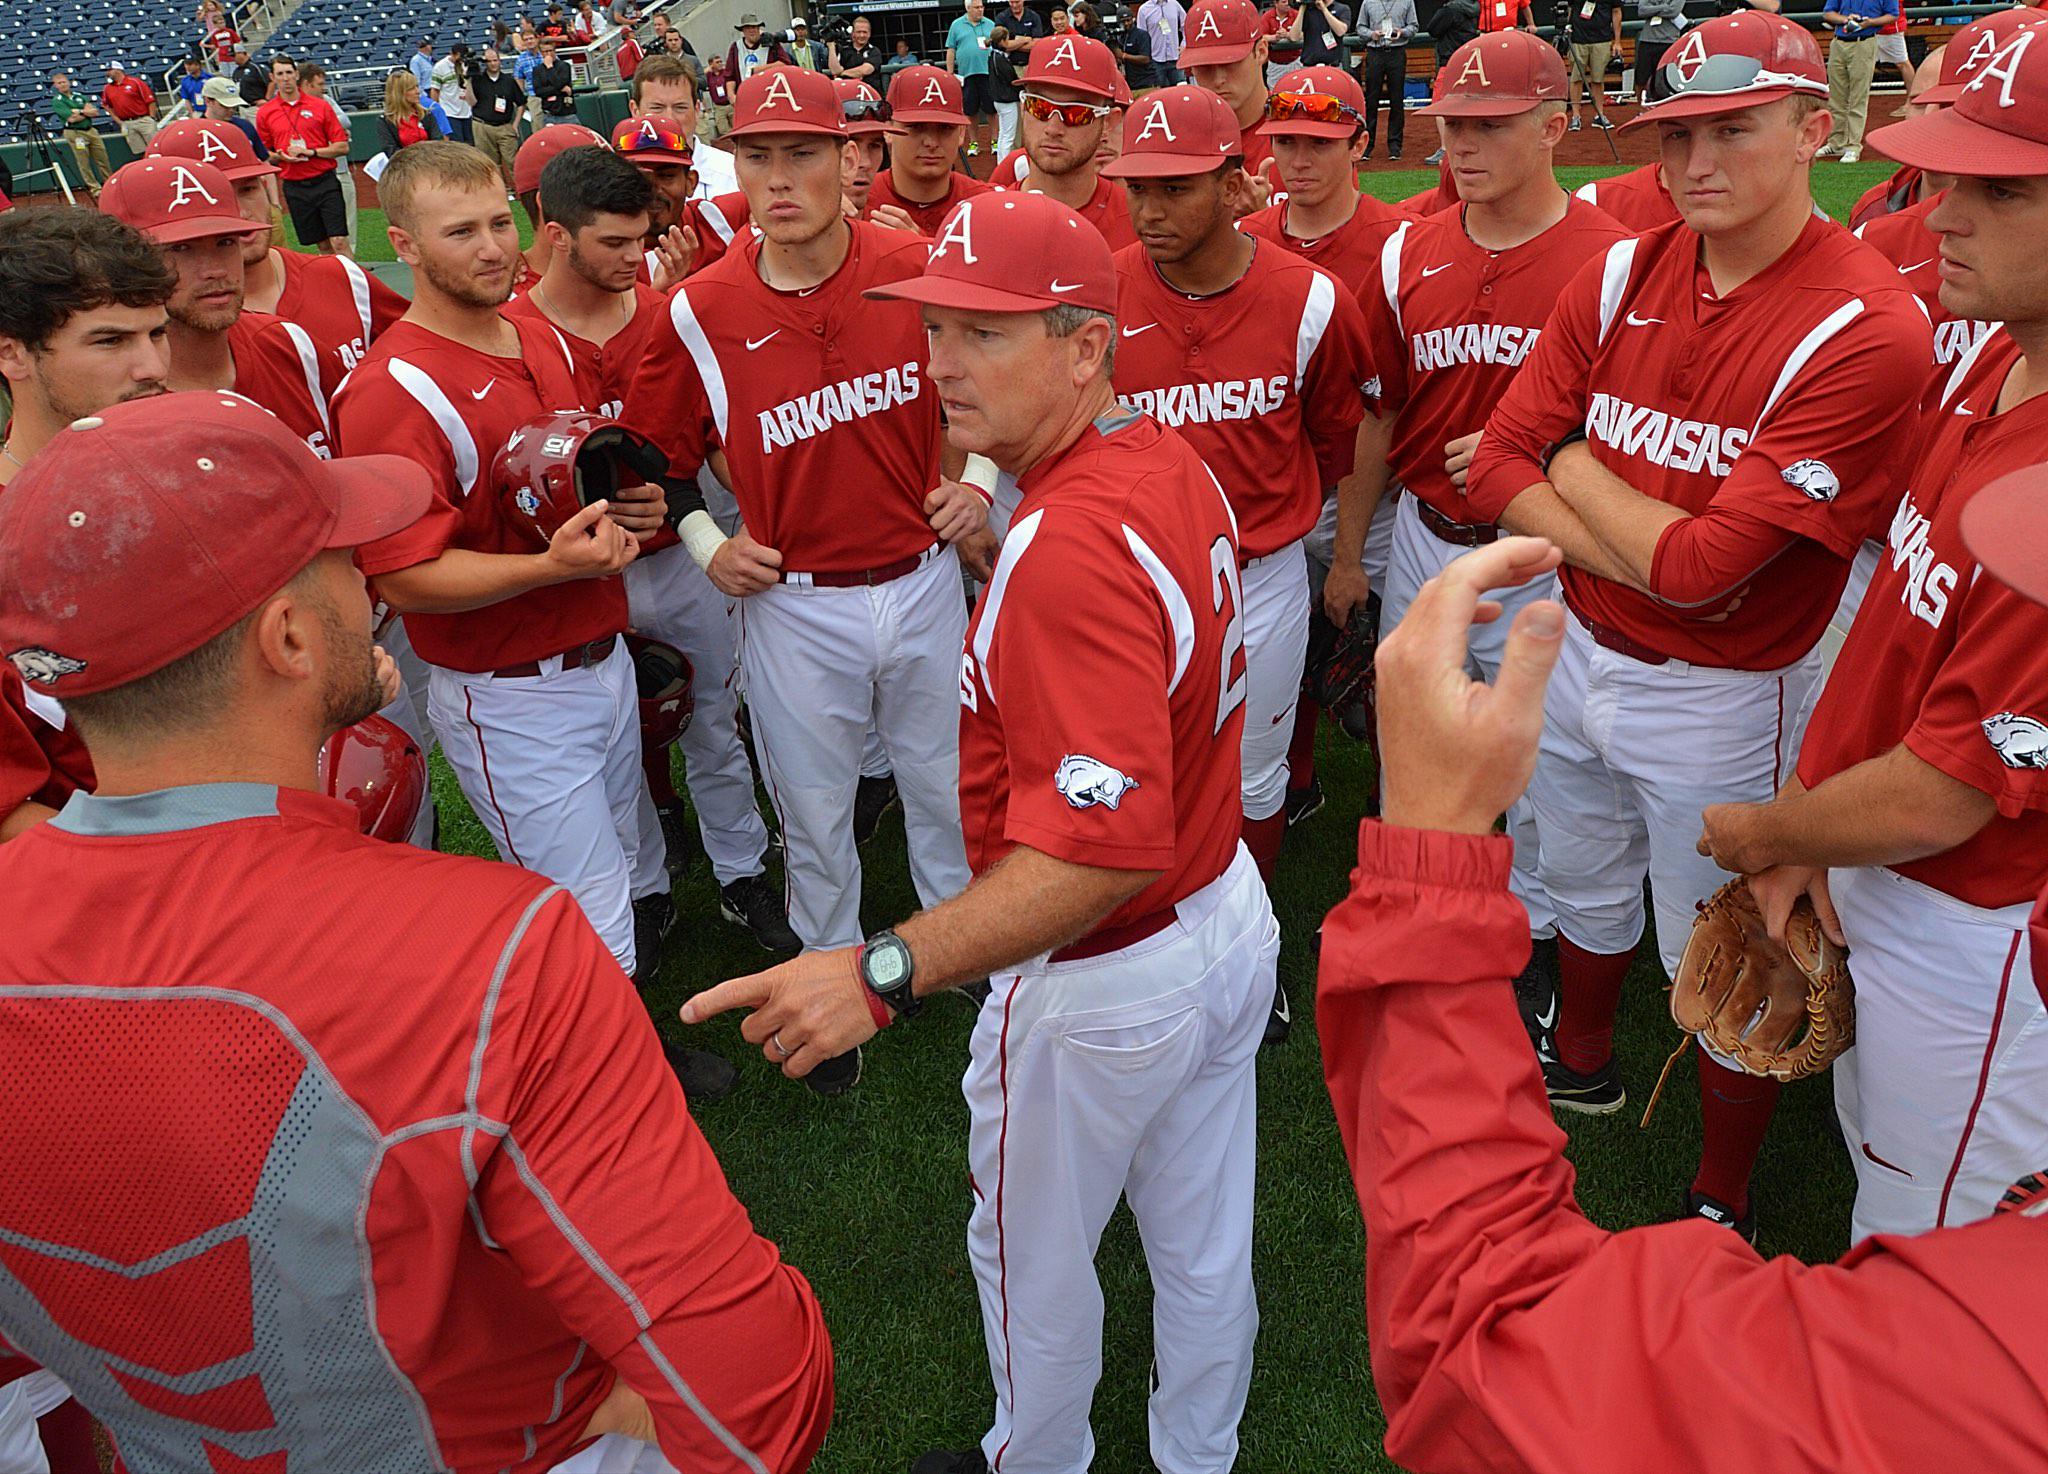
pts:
[394, 97]
[434, 164]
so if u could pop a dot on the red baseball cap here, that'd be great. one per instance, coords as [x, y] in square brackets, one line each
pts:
[223, 145]
[926, 95]
[175, 199]
[1283, 116]
[865, 112]
[654, 140]
[1012, 251]
[1498, 75]
[535, 153]
[1175, 131]
[140, 533]
[1080, 63]
[1971, 47]
[786, 99]
[1736, 61]
[1999, 124]
[2005, 526]
[1220, 32]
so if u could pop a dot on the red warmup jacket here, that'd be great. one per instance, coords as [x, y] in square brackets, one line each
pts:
[1508, 1333]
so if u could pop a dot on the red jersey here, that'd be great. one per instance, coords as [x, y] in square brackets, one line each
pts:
[222, 39]
[928, 217]
[1791, 401]
[1267, 379]
[718, 222]
[1953, 665]
[1108, 208]
[1257, 147]
[605, 369]
[1638, 199]
[405, 1195]
[1119, 575]
[818, 399]
[1452, 321]
[342, 306]
[42, 759]
[309, 120]
[277, 364]
[1010, 173]
[1903, 239]
[1886, 197]
[1351, 252]
[450, 408]
[1500, 15]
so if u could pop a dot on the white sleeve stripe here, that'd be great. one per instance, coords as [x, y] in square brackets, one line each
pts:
[1614, 275]
[1390, 272]
[1590, 191]
[461, 444]
[359, 288]
[309, 365]
[1316, 312]
[682, 315]
[568, 358]
[1014, 547]
[715, 218]
[1811, 344]
[1179, 613]
[1967, 362]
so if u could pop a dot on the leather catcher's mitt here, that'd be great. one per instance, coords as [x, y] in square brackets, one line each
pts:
[1783, 1011]
[1338, 673]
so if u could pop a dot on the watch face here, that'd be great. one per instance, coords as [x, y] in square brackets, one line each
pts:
[888, 964]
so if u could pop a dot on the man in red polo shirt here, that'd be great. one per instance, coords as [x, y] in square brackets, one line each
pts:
[305, 138]
[927, 127]
[1067, 97]
[1225, 52]
[130, 102]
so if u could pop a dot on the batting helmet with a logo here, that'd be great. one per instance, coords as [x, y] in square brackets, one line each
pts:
[378, 768]
[551, 468]
[667, 698]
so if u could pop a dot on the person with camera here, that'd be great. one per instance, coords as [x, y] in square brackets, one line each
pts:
[1388, 26]
[857, 58]
[1321, 26]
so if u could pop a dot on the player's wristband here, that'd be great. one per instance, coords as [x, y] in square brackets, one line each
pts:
[877, 1009]
[980, 473]
[1558, 449]
[701, 536]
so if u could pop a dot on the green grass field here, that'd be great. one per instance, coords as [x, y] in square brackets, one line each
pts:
[868, 1193]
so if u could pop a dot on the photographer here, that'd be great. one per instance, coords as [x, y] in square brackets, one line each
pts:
[857, 58]
[1320, 27]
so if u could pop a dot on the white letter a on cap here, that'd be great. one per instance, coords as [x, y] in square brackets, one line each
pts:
[2005, 67]
[778, 92]
[189, 188]
[1155, 119]
[1474, 68]
[957, 231]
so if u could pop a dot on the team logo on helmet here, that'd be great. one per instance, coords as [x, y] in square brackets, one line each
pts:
[527, 500]
[45, 667]
[1086, 781]
[2021, 742]
[1814, 478]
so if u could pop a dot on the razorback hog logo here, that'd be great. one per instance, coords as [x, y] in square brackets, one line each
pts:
[1815, 478]
[2021, 742]
[1087, 781]
[45, 667]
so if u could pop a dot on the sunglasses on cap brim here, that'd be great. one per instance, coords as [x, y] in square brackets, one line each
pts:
[1073, 114]
[1311, 107]
[868, 109]
[1729, 75]
[664, 141]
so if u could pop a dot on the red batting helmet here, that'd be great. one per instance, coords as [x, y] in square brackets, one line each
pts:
[553, 467]
[667, 699]
[380, 770]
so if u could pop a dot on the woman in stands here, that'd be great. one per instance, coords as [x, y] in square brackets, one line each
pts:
[405, 121]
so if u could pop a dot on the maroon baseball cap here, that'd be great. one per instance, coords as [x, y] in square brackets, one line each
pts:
[1074, 61]
[927, 95]
[1736, 61]
[223, 145]
[534, 154]
[1220, 32]
[1999, 125]
[1291, 106]
[1971, 47]
[866, 114]
[1498, 75]
[140, 533]
[656, 140]
[1012, 251]
[786, 99]
[174, 199]
[1176, 131]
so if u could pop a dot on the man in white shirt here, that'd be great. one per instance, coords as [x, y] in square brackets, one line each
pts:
[663, 87]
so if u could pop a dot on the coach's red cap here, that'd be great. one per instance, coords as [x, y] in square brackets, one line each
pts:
[1497, 76]
[1012, 251]
[1971, 47]
[1220, 32]
[140, 533]
[1296, 104]
[865, 112]
[786, 99]
[175, 200]
[535, 154]
[1998, 126]
[1174, 131]
[1074, 61]
[927, 95]
[1735, 61]
[655, 140]
[223, 145]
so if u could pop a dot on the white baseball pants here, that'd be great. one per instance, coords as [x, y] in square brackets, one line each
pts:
[1321, 543]
[408, 709]
[1128, 1075]
[1631, 754]
[1275, 648]
[821, 665]
[22, 1401]
[1417, 556]
[551, 765]
[1944, 1098]
[614, 1453]
[670, 599]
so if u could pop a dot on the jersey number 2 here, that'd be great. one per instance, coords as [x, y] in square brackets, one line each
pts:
[1223, 580]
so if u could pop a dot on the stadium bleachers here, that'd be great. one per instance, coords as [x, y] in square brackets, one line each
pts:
[81, 37]
[342, 35]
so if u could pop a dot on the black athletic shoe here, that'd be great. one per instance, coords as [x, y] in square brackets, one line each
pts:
[975, 992]
[1699, 1205]
[1576, 125]
[678, 836]
[872, 799]
[836, 1075]
[1368, 148]
[705, 1076]
[1394, 153]
[1597, 1094]
[1536, 997]
[751, 902]
[948, 1461]
[1302, 802]
[654, 917]
[1601, 120]
[1280, 1022]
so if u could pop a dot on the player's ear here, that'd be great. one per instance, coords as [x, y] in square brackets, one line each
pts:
[14, 361]
[1089, 349]
[401, 245]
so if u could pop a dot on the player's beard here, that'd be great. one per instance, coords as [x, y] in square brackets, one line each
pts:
[352, 691]
[580, 264]
[1072, 161]
[66, 404]
[209, 319]
[465, 288]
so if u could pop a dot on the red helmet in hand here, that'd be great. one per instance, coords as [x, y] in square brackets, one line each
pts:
[667, 697]
[551, 468]
[378, 768]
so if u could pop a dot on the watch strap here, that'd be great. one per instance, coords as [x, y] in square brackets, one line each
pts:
[877, 1009]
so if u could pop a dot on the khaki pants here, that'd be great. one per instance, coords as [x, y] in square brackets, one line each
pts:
[90, 150]
[138, 132]
[1590, 62]
[346, 175]
[498, 142]
[1851, 65]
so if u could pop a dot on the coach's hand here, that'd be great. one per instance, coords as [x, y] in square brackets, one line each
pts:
[675, 252]
[1458, 457]
[742, 566]
[895, 217]
[979, 553]
[806, 1011]
[590, 545]
[1345, 587]
[955, 511]
[1777, 891]
[1454, 752]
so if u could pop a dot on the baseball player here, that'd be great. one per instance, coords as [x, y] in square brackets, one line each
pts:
[1916, 812]
[1746, 383]
[867, 132]
[1225, 52]
[382, 1138]
[1131, 943]
[1010, 170]
[541, 145]
[927, 127]
[1066, 100]
[1463, 300]
[593, 201]
[1508, 1334]
[1637, 199]
[662, 152]
[849, 591]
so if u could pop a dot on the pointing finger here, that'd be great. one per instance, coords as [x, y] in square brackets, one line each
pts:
[750, 991]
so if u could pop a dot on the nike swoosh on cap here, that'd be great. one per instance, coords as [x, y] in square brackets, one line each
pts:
[1060, 286]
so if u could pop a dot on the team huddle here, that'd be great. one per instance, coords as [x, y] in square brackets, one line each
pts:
[1023, 503]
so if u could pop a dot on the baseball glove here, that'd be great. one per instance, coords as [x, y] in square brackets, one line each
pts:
[1783, 1011]
[1338, 673]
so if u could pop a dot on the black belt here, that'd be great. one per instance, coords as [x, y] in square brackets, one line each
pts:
[574, 658]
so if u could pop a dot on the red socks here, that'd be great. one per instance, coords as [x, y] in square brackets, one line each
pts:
[1588, 997]
[661, 786]
[1262, 837]
[1301, 750]
[1735, 1112]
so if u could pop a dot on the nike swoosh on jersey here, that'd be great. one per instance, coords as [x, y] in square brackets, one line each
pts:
[753, 343]
[1909, 270]
[480, 393]
[1133, 332]
[1429, 271]
[1643, 322]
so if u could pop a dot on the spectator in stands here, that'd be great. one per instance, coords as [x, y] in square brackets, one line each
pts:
[252, 81]
[587, 25]
[1058, 20]
[1283, 41]
[717, 112]
[967, 59]
[1852, 64]
[421, 65]
[677, 45]
[219, 38]
[1021, 26]
[858, 58]
[499, 101]
[751, 52]
[553, 83]
[304, 138]
[1165, 24]
[556, 26]
[455, 90]
[131, 102]
[1663, 23]
[902, 56]
[524, 62]
[1320, 27]
[666, 88]
[404, 121]
[313, 82]
[75, 112]
[629, 55]
[190, 83]
[224, 104]
[622, 13]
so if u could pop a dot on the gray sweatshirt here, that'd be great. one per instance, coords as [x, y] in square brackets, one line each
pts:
[1660, 19]
[1374, 17]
